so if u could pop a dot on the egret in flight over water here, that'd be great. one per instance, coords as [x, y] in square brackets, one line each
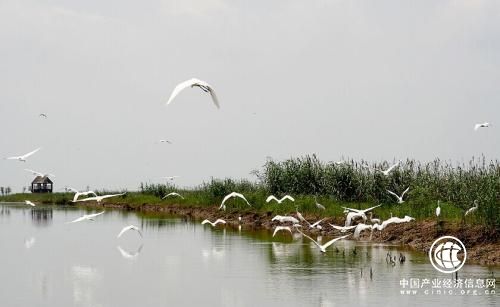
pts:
[89, 217]
[279, 201]
[232, 195]
[130, 227]
[323, 247]
[218, 221]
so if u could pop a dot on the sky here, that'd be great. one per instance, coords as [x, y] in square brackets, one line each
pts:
[374, 80]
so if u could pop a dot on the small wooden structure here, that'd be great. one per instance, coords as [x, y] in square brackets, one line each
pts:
[42, 184]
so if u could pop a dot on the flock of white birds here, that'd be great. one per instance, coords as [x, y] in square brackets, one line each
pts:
[351, 214]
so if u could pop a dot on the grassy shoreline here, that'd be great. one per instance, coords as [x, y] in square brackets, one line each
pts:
[483, 243]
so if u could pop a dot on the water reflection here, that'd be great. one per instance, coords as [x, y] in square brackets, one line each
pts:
[85, 282]
[130, 255]
[28, 243]
[42, 216]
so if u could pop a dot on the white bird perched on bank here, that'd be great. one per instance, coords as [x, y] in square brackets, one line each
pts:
[393, 220]
[280, 228]
[279, 201]
[359, 228]
[284, 219]
[89, 217]
[231, 195]
[221, 221]
[39, 174]
[342, 228]
[400, 198]
[129, 255]
[207, 88]
[482, 125]
[318, 205]
[98, 198]
[472, 209]
[438, 210]
[323, 247]
[372, 220]
[173, 194]
[130, 227]
[27, 202]
[25, 156]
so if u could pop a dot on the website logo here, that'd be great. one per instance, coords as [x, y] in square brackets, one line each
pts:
[447, 254]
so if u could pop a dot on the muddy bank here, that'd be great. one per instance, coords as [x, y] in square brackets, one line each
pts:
[483, 245]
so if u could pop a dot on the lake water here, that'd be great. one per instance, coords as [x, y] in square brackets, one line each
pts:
[46, 262]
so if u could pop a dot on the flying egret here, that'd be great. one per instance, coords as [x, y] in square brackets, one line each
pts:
[173, 194]
[393, 220]
[400, 198]
[27, 202]
[165, 141]
[280, 228]
[78, 194]
[279, 201]
[207, 88]
[482, 125]
[89, 217]
[284, 219]
[43, 115]
[353, 214]
[318, 205]
[130, 227]
[98, 198]
[323, 247]
[438, 210]
[39, 174]
[170, 177]
[359, 228]
[472, 209]
[214, 223]
[23, 157]
[387, 171]
[231, 195]
[342, 228]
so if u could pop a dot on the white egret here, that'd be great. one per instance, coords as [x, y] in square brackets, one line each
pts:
[400, 198]
[284, 219]
[318, 205]
[39, 173]
[387, 171]
[482, 125]
[98, 198]
[165, 141]
[173, 194]
[130, 227]
[231, 195]
[393, 220]
[342, 228]
[87, 193]
[323, 247]
[27, 202]
[23, 157]
[472, 209]
[353, 214]
[374, 220]
[207, 88]
[43, 115]
[89, 217]
[279, 201]
[280, 228]
[221, 221]
[170, 177]
[359, 228]
[438, 210]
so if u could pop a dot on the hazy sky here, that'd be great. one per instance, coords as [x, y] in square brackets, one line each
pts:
[364, 79]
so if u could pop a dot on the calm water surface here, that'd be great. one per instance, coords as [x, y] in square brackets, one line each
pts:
[45, 262]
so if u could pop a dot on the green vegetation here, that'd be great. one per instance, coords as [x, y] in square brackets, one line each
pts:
[336, 185]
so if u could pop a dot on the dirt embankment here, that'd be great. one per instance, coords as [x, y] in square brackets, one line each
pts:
[483, 245]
